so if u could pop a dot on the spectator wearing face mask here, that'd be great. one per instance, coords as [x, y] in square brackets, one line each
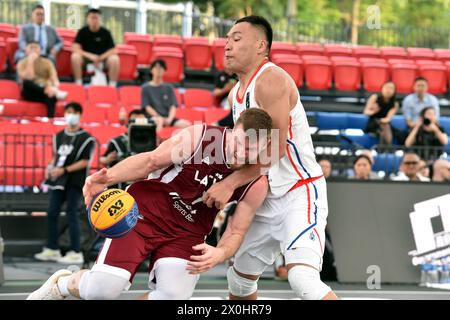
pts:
[72, 152]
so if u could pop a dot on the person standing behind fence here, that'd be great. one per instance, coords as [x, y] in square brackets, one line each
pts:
[381, 108]
[37, 31]
[39, 79]
[72, 151]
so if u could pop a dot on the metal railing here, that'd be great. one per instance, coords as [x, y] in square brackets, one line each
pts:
[387, 159]
[153, 18]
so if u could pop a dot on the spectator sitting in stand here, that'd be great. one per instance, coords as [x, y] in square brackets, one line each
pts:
[362, 168]
[413, 104]
[94, 44]
[159, 100]
[381, 108]
[409, 169]
[39, 79]
[441, 170]
[224, 83]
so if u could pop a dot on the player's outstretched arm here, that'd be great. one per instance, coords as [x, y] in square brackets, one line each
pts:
[234, 234]
[174, 150]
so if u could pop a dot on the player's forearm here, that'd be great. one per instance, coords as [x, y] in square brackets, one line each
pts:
[243, 176]
[229, 244]
[133, 168]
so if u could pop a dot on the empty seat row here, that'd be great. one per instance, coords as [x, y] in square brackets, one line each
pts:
[350, 74]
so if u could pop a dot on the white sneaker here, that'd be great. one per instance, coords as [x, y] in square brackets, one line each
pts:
[72, 257]
[48, 255]
[49, 290]
[61, 95]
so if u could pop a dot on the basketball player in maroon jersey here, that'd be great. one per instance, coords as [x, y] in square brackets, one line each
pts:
[175, 221]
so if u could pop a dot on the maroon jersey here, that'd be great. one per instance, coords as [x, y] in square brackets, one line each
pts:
[173, 200]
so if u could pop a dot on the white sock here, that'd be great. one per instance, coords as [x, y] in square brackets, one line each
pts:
[79, 81]
[62, 285]
[113, 83]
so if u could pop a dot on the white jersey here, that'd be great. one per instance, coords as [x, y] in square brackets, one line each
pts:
[299, 161]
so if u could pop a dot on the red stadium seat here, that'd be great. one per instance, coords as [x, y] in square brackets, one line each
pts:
[337, 50]
[76, 93]
[420, 53]
[130, 97]
[104, 134]
[219, 52]
[94, 114]
[128, 62]
[215, 114]
[21, 155]
[191, 115]
[403, 75]
[366, 52]
[442, 54]
[393, 53]
[198, 98]
[174, 62]
[343, 58]
[12, 44]
[34, 109]
[198, 53]
[102, 96]
[374, 75]
[7, 31]
[167, 132]
[428, 62]
[318, 74]
[312, 49]
[292, 65]
[143, 44]
[347, 75]
[179, 97]
[314, 58]
[66, 34]
[63, 61]
[3, 57]
[282, 48]
[9, 90]
[372, 60]
[400, 61]
[13, 108]
[162, 40]
[436, 76]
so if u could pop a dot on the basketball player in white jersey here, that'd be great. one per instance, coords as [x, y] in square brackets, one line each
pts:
[293, 217]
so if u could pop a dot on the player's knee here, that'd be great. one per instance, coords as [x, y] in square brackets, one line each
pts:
[306, 283]
[240, 286]
[101, 286]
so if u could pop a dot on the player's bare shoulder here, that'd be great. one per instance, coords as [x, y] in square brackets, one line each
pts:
[276, 82]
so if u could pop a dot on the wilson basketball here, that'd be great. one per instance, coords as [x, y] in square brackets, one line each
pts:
[113, 213]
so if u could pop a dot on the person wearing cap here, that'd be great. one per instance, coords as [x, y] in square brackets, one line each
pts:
[159, 100]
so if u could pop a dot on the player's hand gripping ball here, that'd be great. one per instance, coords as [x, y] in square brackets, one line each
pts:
[113, 213]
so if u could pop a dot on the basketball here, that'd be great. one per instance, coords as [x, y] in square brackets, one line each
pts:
[113, 213]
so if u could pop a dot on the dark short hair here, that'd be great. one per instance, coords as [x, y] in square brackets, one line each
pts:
[38, 6]
[262, 24]
[136, 112]
[159, 62]
[75, 106]
[424, 110]
[32, 42]
[362, 156]
[420, 79]
[93, 10]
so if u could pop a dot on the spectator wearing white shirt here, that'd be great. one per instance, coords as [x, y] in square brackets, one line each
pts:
[410, 169]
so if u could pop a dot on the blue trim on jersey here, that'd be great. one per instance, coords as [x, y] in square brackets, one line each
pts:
[298, 157]
[315, 219]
